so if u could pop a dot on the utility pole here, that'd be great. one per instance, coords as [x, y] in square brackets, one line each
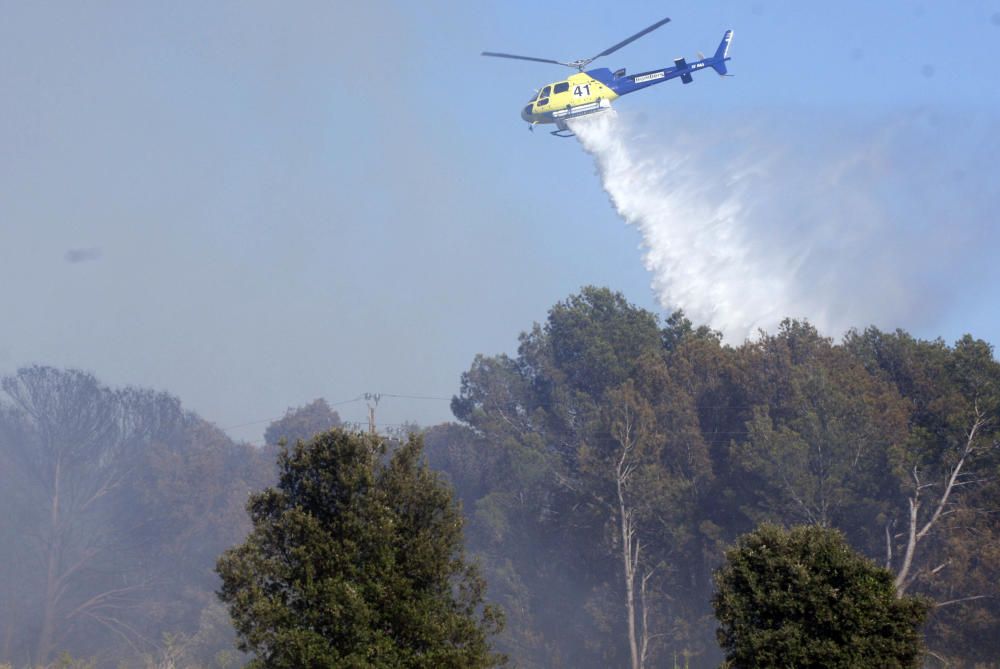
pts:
[372, 400]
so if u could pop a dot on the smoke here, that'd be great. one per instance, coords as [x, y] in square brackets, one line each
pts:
[861, 223]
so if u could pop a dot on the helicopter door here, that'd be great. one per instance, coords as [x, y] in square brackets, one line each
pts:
[560, 90]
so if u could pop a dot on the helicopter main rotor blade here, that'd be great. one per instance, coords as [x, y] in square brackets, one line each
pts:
[631, 39]
[537, 60]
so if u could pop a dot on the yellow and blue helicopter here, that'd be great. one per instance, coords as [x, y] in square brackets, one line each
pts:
[592, 91]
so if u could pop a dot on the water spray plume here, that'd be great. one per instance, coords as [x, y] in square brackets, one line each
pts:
[844, 225]
[694, 244]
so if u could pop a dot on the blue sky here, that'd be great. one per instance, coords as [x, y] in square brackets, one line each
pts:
[284, 201]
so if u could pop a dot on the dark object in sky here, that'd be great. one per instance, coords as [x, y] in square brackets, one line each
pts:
[83, 255]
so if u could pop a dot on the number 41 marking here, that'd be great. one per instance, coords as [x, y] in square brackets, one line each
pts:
[582, 91]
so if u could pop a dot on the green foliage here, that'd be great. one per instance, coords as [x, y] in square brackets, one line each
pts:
[820, 431]
[547, 432]
[791, 427]
[804, 598]
[595, 338]
[356, 559]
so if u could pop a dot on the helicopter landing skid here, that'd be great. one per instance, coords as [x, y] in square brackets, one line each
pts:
[564, 115]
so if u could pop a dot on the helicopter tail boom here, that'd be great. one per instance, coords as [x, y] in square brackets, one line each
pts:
[718, 61]
[682, 69]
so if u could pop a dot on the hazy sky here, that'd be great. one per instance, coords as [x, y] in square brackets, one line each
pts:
[253, 204]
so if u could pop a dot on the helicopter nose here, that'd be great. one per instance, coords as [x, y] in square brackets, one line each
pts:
[526, 113]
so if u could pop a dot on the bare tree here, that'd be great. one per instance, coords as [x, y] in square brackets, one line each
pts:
[624, 434]
[629, 432]
[952, 479]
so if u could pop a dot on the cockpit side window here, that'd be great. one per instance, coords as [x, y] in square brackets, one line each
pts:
[561, 87]
[545, 92]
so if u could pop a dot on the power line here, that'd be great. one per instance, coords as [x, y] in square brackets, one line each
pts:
[369, 397]
[335, 404]
[418, 397]
[358, 398]
[271, 420]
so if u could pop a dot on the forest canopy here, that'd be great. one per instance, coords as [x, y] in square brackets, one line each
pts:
[603, 468]
[616, 456]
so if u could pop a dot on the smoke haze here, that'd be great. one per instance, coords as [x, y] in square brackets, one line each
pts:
[743, 227]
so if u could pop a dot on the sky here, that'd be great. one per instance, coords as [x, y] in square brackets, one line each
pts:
[253, 204]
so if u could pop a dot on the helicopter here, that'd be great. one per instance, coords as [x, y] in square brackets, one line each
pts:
[591, 91]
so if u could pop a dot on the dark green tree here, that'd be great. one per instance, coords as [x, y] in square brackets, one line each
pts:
[804, 598]
[356, 559]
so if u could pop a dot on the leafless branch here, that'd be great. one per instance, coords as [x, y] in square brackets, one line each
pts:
[959, 601]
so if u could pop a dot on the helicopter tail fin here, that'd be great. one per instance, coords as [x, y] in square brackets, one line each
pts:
[718, 61]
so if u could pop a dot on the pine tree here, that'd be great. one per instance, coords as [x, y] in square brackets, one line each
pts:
[356, 559]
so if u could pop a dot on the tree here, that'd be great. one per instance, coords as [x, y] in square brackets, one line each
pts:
[356, 559]
[69, 444]
[187, 501]
[584, 512]
[940, 539]
[465, 458]
[302, 423]
[114, 505]
[883, 436]
[634, 460]
[951, 455]
[819, 433]
[804, 598]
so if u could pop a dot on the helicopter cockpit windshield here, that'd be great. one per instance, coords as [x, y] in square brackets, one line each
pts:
[543, 96]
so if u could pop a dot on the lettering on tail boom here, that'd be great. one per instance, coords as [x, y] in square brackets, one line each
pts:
[642, 78]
